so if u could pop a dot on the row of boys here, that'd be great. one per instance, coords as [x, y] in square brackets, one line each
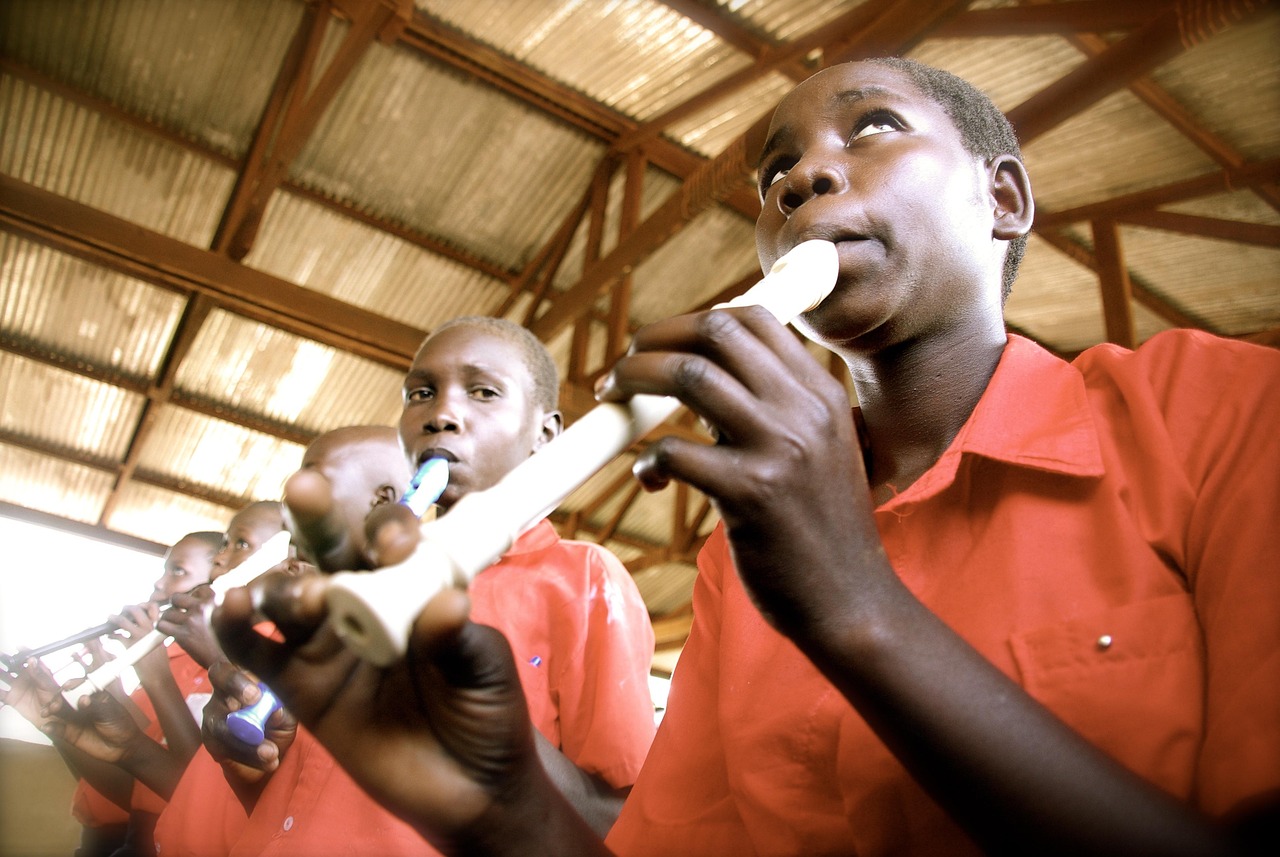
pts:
[1010, 604]
[482, 393]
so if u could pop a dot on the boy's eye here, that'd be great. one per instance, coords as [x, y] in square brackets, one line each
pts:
[484, 393]
[872, 124]
[418, 394]
[241, 545]
[773, 174]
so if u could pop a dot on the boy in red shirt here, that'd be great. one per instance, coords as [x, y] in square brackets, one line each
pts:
[1008, 605]
[111, 802]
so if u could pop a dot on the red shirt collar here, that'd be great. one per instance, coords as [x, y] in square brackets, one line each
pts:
[1034, 414]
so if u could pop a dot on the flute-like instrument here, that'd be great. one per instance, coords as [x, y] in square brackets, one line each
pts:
[271, 553]
[374, 611]
[13, 661]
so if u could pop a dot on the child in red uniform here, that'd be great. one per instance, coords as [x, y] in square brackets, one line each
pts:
[482, 395]
[1010, 605]
[110, 801]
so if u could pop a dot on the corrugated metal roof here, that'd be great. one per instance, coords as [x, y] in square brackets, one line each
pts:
[57, 486]
[441, 168]
[81, 311]
[637, 56]
[65, 410]
[260, 370]
[316, 247]
[218, 455]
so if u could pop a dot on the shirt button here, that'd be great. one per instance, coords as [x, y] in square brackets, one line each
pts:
[288, 823]
[1104, 642]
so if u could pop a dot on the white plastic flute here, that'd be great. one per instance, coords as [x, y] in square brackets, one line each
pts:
[269, 554]
[373, 611]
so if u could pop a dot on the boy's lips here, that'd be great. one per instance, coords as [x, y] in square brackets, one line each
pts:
[436, 452]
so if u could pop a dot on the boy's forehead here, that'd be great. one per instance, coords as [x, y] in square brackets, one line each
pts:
[845, 82]
[255, 518]
[470, 345]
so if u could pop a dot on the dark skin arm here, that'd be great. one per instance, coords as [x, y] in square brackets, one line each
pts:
[181, 733]
[29, 692]
[807, 548]
[103, 729]
[441, 738]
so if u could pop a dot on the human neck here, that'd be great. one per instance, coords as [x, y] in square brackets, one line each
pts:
[916, 396]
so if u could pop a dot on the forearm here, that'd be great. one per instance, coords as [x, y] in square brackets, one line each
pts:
[1008, 770]
[595, 800]
[112, 781]
[181, 732]
[153, 766]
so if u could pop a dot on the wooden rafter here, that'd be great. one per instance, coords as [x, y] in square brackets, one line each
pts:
[158, 394]
[296, 106]
[1141, 292]
[106, 108]
[1117, 208]
[130, 249]
[541, 92]
[1113, 283]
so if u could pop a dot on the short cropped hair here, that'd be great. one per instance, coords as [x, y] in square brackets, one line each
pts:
[537, 359]
[211, 539]
[984, 130]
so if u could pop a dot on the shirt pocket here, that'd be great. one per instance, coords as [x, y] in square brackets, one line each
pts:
[1131, 679]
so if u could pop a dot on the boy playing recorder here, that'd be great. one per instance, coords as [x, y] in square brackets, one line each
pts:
[1008, 605]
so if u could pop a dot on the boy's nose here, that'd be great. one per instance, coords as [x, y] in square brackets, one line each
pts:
[807, 180]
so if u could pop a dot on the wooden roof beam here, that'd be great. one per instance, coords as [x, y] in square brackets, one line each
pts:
[1221, 181]
[135, 251]
[109, 110]
[1141, 292]
[1155, 97]
[438, 41]
[1239, 231]
[1163, 37]
[1062, 18]
[296, 107]
[730, 170]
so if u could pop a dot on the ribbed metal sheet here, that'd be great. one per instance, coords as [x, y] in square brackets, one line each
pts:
[1250, 118]
[637, 56]
[1008, 69]
[447, 156]
[1061, 305]
[218, 455]
[1116, 147]
[52, 485]
[666, 588]
[316, 247]
[85, 156]
[83, 312]
[263, 371]
[710, 131]
[787, 21]
[225, 53]
[713, 252]
[163, 516]
[57, 407]
[1234, 289]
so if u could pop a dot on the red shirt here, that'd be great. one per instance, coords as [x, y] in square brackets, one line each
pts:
[1127, 495]
[89, 806]
[582, 639]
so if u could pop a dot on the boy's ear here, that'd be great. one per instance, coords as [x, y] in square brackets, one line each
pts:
[552, 424]
[384, 494]
[1011, 193]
